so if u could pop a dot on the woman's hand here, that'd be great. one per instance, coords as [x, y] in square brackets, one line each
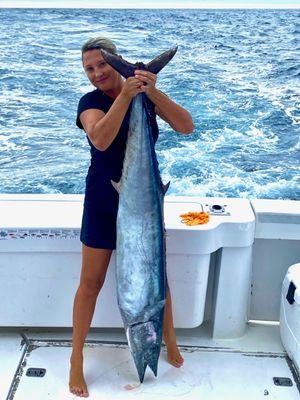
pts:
[148, 81]
[131, 87]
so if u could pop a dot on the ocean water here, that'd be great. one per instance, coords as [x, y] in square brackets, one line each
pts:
[236, 71]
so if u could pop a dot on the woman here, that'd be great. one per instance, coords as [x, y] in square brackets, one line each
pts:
[104, 115]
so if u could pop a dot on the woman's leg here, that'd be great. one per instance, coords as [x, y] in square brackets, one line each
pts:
[94, 267]
[169, 335]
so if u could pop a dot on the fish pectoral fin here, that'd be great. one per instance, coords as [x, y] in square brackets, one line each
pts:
[165, 187]
[116, 185]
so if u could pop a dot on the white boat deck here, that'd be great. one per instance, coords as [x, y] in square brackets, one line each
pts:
[241, 368]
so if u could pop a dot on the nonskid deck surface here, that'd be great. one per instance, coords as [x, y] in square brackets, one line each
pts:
[210, 372]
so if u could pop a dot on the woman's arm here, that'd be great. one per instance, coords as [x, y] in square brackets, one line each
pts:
[175, 115]
[102, 128]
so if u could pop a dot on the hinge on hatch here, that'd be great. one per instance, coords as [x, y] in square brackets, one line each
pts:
[36, 372]
[280, 381]
[291, 293]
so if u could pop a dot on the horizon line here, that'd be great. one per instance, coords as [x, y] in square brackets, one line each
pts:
[161, 7]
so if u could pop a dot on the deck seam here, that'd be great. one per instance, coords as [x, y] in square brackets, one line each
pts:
[68, 342]
[19, 370]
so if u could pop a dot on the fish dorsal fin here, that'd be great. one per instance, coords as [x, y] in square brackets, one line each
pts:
[116, 185]
[165, 187]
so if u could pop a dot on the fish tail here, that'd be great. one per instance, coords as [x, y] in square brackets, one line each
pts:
[160, 61]
[127, 69]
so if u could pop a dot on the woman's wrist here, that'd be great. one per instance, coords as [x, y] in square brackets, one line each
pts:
[156, 96]
[124, 97]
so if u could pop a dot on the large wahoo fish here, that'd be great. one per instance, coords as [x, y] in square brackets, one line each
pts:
[141, 245]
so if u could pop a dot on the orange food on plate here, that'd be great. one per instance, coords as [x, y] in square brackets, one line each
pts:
[195, 218]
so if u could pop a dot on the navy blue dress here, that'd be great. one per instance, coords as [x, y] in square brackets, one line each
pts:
[98, 228]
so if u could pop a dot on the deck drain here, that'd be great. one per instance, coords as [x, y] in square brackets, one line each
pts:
[39, 372]
[282, 381]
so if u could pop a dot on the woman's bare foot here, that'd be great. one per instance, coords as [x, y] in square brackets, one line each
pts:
[173, 354]
[77, 383]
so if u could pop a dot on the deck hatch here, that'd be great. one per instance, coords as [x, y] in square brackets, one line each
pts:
[111, 370]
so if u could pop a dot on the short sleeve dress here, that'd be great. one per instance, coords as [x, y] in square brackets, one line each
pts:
[100, 208]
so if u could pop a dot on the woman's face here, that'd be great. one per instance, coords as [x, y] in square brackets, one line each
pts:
[99, 72]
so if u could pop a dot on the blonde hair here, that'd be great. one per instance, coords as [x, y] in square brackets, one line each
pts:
[99, 42]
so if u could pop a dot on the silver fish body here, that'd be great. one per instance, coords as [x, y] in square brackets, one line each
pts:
[141, 245]
[140, 250]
